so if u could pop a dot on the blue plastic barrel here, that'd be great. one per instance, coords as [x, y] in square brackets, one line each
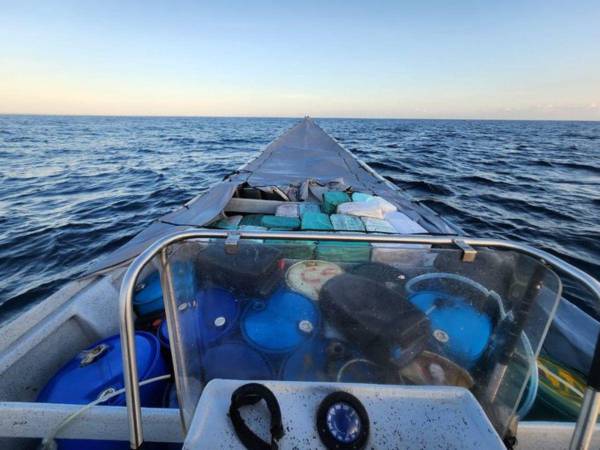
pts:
[460, 330]
[281, 323]
[308, 363]
[99, 368]
[236, 361]
[148, 298]
[330, 360]
[219, 313]
[163, 335]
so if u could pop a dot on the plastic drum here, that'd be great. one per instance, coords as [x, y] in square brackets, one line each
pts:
[98, 369]
[316, 360]
[237, 361]
[281, 323]
[219, 313]
[461, 331]
[163, 335]
[307, 277]
[330, 360]
[148, 298]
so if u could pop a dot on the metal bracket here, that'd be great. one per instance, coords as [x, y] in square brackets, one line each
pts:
[468, 252]
[231, 242]
[90, 356]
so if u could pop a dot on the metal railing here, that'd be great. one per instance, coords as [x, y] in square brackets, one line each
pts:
[589, 411]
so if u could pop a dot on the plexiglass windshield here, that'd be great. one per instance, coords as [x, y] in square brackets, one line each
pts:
[357, 312]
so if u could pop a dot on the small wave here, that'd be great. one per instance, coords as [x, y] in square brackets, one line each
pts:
[579, 166]
[542, 163]
[379, 165]
[180, 140]
[524, 206]
[478, 180]
[423, 186]
[571, 135]
[443, 208]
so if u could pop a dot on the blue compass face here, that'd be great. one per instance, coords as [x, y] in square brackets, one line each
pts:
[343, 422]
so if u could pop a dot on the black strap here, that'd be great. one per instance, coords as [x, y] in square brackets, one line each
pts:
[250, 394]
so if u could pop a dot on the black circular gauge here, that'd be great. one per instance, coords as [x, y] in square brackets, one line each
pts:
[342, 422]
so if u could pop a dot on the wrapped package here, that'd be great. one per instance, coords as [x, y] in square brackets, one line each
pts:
[288, 210]
[404, 224]
[332, 199]
[316, 222]
[376, 208]
[344, 222]
[280, 223]
[378, 225]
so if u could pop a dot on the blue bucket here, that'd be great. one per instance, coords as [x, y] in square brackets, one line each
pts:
[236, 361]
[281, 323]
[98, 368]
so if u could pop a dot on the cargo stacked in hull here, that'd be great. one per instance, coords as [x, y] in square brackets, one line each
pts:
[308, 272]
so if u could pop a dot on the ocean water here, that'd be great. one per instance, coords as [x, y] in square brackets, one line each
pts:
[75, 188]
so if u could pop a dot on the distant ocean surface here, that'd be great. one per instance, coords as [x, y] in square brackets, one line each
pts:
[75, 188]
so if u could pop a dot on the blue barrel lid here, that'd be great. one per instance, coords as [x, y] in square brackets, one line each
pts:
[98, 368]
[462, 331]
[237, 361]
[219, 313]
[281, 323]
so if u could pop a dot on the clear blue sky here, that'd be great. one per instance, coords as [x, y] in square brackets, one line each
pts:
[446, 59]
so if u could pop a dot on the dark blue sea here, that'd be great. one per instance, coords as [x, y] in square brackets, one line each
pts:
[75, 188]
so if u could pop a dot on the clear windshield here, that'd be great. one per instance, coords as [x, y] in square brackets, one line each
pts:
[360, 313]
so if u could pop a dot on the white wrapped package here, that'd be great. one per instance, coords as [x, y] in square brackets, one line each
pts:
[287, 210]
[404, 224]
[375, 207]
[362, 209]
[384, 205]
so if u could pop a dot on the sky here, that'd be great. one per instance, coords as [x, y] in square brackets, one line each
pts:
[419, 59]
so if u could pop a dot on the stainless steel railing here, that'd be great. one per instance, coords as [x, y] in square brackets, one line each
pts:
[591, 406]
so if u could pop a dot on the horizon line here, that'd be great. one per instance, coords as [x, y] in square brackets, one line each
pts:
[203, 116]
